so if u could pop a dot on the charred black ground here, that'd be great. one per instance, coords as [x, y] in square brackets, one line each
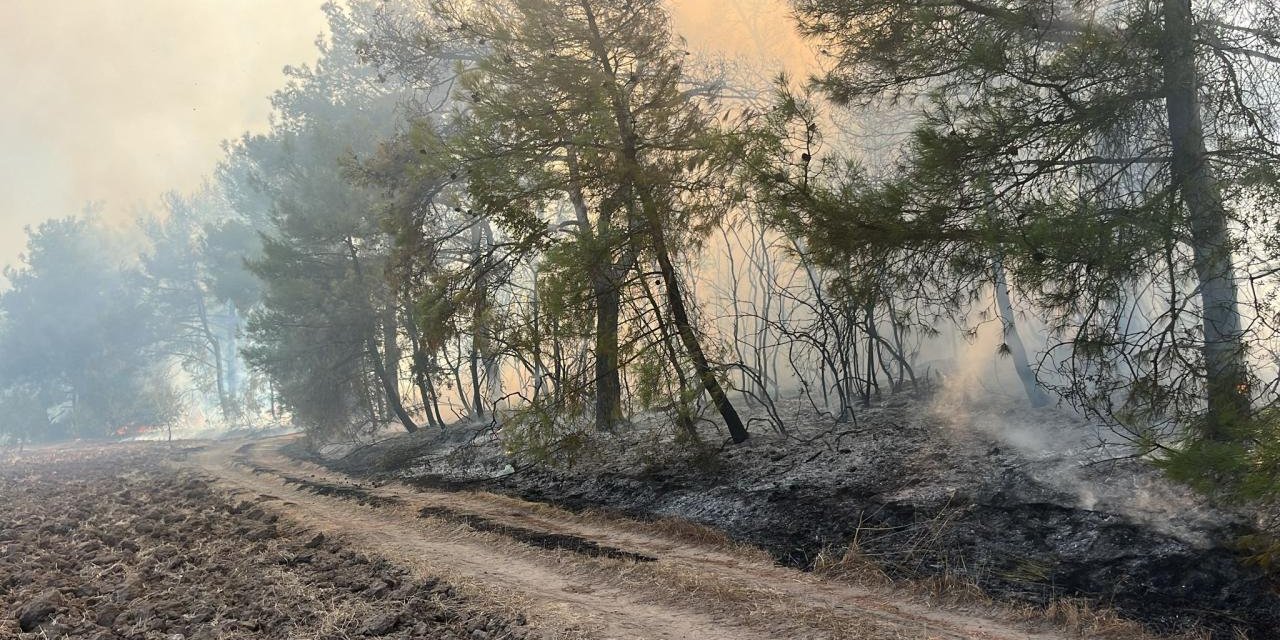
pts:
[1026, 518]
[553, 541]
[356, 494]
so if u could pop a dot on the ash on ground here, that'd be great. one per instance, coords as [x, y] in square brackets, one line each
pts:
[1029, 504]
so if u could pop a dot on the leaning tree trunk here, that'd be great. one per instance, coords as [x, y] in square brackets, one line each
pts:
[1227, 375]
[684, 412]
[389, 379]
[680, 316]
[632, 189]
[1012, 339]
[390, 385]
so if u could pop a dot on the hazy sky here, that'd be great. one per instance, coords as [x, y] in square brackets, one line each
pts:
[117, 101]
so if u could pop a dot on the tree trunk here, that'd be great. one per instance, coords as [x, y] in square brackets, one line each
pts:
[231, 353]
[477, 398]
[1012, 338]
[680, 315]
[390, 380]
[215, 347]
[684, 412]
[1227, 375]
[608, 368]
[419, 364]
[632, 187]
[390, 386]
[479, 318]
[872, 385]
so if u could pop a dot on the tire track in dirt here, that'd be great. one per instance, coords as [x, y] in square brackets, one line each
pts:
[689, 591]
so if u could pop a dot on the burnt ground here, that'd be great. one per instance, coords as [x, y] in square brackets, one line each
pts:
[576, 544]
[100, 542]
[1027, 504]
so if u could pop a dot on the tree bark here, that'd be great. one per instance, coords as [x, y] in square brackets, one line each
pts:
[684, 412]
[607, 361]
[1227, 375]
[389, 379]
[479, 319]
[419, 364]
[680, 315]
[215, 347]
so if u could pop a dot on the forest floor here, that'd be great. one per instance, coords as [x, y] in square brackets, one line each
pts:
[207, 540]
[1030, 509]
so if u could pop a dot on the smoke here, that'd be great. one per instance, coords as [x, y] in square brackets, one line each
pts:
[114, 102]
[980, 403]
[120, 103]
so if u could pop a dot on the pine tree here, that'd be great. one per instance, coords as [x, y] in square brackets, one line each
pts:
[580, 102]
[1130, 149]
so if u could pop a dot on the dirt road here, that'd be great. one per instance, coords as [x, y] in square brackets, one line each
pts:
[576, 575]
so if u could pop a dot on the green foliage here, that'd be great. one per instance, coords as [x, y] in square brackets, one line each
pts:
[1244, 466]
[309, 235]
[24, 415]
[557, 436]
[1046, 136]
[228, 246]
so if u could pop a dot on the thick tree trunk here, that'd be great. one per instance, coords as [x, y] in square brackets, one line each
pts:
[607, 361]
[1012, 338]
[1227, 383]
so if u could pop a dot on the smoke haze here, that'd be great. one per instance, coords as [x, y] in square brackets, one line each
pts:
[116, 102]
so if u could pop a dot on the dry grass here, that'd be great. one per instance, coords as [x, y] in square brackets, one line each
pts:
[851, 565]
[1085, 619]
[759, 606]
[958, 590]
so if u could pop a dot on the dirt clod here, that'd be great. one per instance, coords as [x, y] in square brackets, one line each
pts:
[380, 625]
[38, 609]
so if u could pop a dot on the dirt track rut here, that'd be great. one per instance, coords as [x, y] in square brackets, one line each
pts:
[578, 576]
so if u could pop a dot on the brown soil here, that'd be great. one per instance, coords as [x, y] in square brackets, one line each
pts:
[110, 542]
